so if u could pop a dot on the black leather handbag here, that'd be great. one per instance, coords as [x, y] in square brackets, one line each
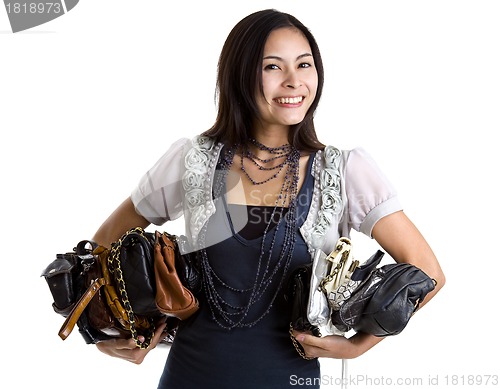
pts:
[384, 301]
[132, 255]
[297, 296]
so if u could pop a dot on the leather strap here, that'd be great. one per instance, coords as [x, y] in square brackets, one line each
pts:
[81, 247]
[79, 307]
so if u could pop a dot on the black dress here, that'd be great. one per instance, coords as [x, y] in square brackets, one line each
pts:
[206, 355]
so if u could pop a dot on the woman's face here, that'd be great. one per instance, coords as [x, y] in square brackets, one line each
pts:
[289, 79]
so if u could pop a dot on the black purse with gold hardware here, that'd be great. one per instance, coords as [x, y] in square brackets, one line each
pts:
[384, 302]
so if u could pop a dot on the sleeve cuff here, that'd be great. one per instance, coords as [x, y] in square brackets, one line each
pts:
[146, 210]
[383, 209]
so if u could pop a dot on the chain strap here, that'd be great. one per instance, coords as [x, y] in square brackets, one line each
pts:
[114, 264]
[297, 345]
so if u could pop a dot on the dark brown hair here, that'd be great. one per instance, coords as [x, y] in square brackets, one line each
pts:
[240, 71]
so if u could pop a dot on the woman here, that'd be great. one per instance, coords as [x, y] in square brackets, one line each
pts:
[248, 190]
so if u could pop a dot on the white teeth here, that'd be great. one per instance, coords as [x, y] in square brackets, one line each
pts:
[289, 100]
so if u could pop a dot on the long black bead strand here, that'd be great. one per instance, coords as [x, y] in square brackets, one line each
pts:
[236, 316]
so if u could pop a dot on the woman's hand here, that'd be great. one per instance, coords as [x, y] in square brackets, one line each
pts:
[127, 349]
[335, 346]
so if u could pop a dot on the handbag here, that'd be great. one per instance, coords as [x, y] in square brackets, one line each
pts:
[383, 303]
[172, 297]
[328, 273]
[131, 260]
[310, 311]
[345, 273]
[112, 293]
[77, 281]
[297, 296]
[341, 265]
[379, 301]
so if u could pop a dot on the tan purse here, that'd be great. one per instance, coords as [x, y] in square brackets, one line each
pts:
[172, 297]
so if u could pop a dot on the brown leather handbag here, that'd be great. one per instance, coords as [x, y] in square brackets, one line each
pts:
[172, 297]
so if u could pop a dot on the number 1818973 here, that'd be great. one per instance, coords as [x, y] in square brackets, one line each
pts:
[33, 8]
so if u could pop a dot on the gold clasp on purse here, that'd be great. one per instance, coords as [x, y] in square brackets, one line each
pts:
[342, 265]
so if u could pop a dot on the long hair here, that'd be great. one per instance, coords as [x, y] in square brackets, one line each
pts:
[240, 71]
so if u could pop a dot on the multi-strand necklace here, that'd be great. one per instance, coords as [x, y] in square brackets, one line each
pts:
[283, 153]
[268, 271]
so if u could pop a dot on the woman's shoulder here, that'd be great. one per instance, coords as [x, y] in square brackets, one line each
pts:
[334, 155]
[182, 146]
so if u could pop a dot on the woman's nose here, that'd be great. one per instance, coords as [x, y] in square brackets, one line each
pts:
[292, 80]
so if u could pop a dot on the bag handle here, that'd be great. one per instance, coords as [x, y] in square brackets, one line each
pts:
[81, 304]
[86, 259]
[81, 247]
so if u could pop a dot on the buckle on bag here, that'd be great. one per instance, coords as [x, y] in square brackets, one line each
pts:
[340, 269]
[87, 261]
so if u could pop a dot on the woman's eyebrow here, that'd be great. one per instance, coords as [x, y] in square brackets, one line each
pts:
[281, 59]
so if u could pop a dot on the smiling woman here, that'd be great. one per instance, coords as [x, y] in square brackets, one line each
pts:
[249, 189]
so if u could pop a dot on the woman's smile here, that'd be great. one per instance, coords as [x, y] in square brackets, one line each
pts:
[289, 102]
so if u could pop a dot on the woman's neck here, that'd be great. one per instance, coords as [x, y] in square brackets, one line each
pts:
[271, 136]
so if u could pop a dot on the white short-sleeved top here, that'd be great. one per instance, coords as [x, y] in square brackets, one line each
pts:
[369, 193]
[350, 191]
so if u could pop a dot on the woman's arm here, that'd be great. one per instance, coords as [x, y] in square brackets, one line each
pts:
[120, 221]
[399, 237]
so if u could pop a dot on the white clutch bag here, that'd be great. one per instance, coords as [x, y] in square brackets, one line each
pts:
[329, 272]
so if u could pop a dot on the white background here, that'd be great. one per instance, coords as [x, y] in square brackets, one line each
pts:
[89, 101]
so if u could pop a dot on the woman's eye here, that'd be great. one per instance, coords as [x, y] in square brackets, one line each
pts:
[305, 65]
[271, 67]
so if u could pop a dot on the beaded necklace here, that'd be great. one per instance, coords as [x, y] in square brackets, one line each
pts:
[227, 315]
[281, 152]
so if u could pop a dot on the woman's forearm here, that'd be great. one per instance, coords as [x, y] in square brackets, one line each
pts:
[122, 219]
